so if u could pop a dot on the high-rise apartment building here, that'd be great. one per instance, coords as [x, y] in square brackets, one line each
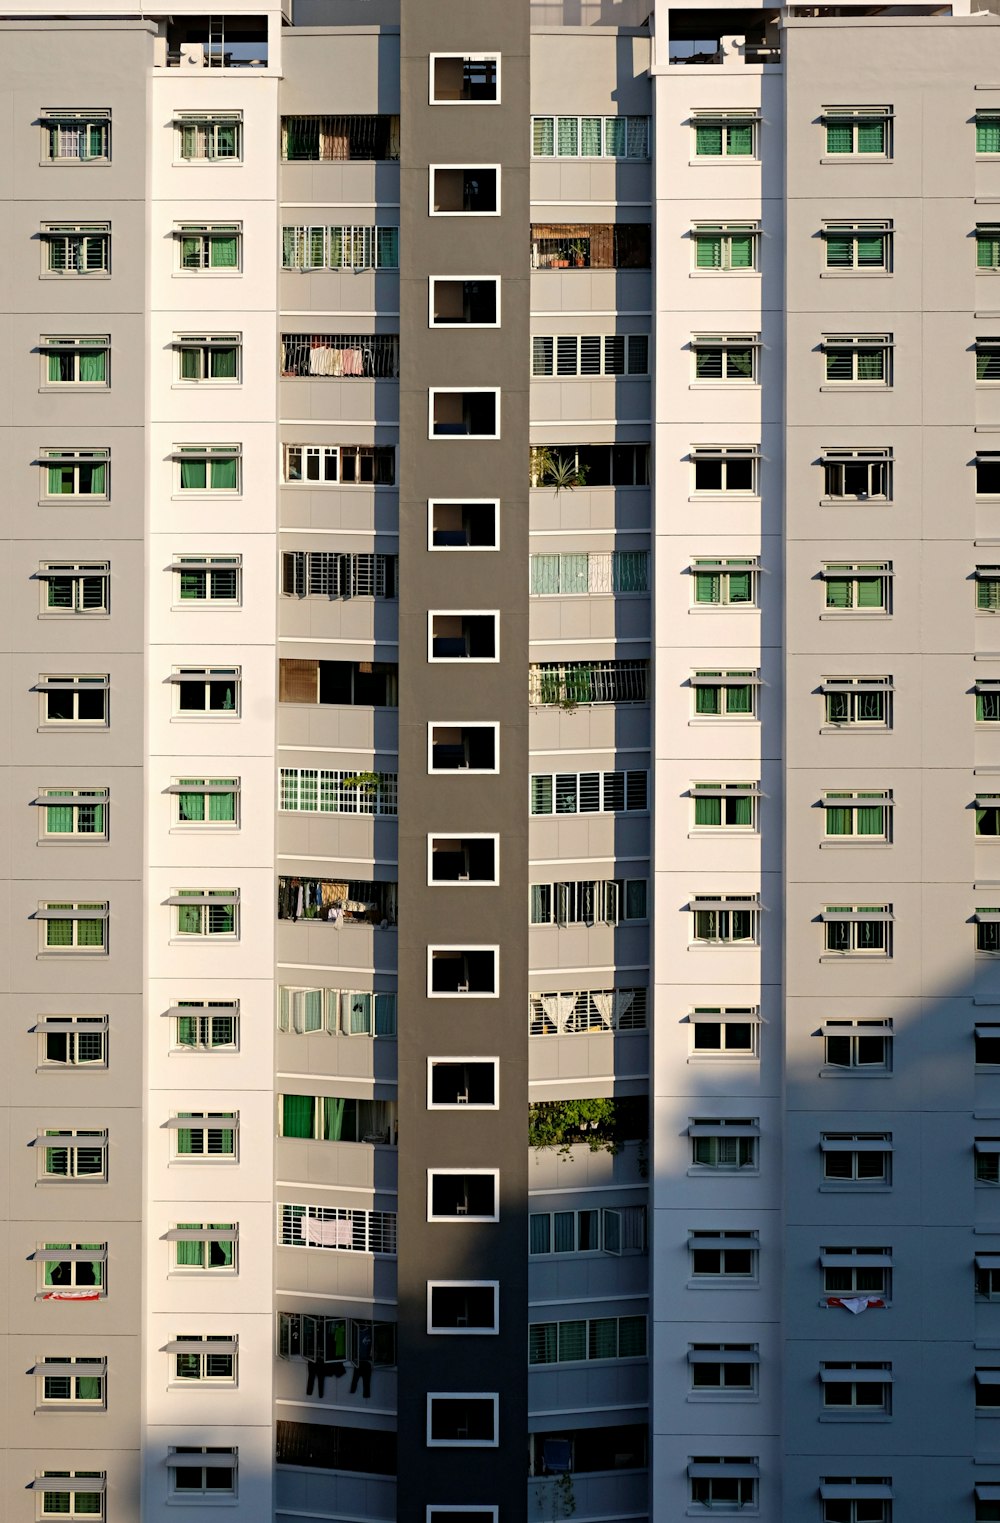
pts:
[543, 458]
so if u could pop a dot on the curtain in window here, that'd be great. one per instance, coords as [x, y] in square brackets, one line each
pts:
[839, 253]
[223, 475]
[708, 140]
[708, 811]
[59, 819]
[870, 592]
[225, 140]
[638, 137]
[90, 933]
[871, 820]
[567, 137]
[189, 920]
[191, 807]
[629, 570]
[603, 1001]
[545, 574]
[223, 364]
[988, 135]
[739, 700]
[359, 1014]
[385, 1015]
[707, 700]
[871, 365]
[987, 706]
[538, 1234]
[194, 475]
[192, 1255]
[297, 1115]
[542, 137]
[333, 1120]
[602, 1342]
[870, 251]
[59, 933]
[541, 908]
[387, 248]
[635, 899]
[187, 1030]
[838, 592]
[88, 1388]
[222, 807]
[572, 1341]
[564, 1235]
[575, 572]
[222, 253]
[92, 364]
[741, 809]
[739, 139]
[839, 821]
[616, 136]
[186, 1140]
[590, 137]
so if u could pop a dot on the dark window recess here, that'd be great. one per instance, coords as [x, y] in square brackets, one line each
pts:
[457, 635]
[471, 1306]
[82, 703]
[734, 474]
[465, 414]
[988, 1045]
[988, 474]
[603, 465]
[462, 1515]
[463, 972]
[321, 1448]
[465, 190]
[589, 246]
[369, 356]
[463, 1084]
[465, 301]
[457, 860]
[462, 1419]
[327, 139]
[374, 683]
[354, 901]
[469, 524]
[458, 748]
[463, 1194]
[579, 1450]
[730, 1036]
[465, 79]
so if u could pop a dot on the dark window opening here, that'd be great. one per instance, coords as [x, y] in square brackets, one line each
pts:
[465, 190]
[471, 79]
[463, 748]
[465, 414]
[463, 1194]
[463, 972]
[463, 1083]
[464, 525]
[463, 859]
[464, 301]
[463, 1306]
[463, 636]
[462, 1419]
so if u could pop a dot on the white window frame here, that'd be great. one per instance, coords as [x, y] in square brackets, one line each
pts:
[878, 462]
[432, 281]
[336, 1008]
[200, 1348]
[706, 343]
[77, 573]
[724, 1130]
[739, 454]
[73, 459]
[463, 613]
[47, 1483]
[208, 454]
[988, 688]
[728, 1015]
[567, 902]
[493, 1174]
[841, 116]
[466, 57]
[855, 915]
[206, 787]
[853, 799]
[854, 687]
[373, 1226]
[204, 344]
[90, 1367]
[208, 565]
[851, 1145]
[724, 791]
[855, 1031]
[725, 679]
[432, 170]
[434, 1331]
[453, 946]
[467, 882]
[208, 122]
[207, 1234]
[462, 391]
[562, 356]
[340, 791]
[603, 570]
[82, 682]
[472, 502]
[466, 1105]
[70, 1140]
[724, 118]
[50, 911]
[722, 566]
[183, 675]
[205, 1122]
[598, 785]
[854, 573]
[854, 232]
[207, 232]
[744, 1355]
[360, 246]
[727, 905]
[707, 1241]
[592, 158]
[74, 799]
[205, 1012]
[340, 453]
[181, 898]
[587, 1323]
[854, 345]
[74, 344]
[463, 1443]
[75, 238]
[839, 1259]
[726, 231]
[853, 1374]
[72, 1027]
[210, 1453]
[53, 119]
[462, 724]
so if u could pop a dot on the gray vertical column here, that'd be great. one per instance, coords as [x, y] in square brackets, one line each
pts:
[463, 134]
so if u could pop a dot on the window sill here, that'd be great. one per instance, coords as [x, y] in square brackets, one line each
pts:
[853, 159]
[855, 502]
[72, 500]
[697, 1398]
[851, 387]
[376, 486]
[227, 163]
[72, 387]
[62, 1179]
[855, 1417]
[212, 385]
[723, 1282]
[207, 274]
[855, 842]
[71, 952]
[714, 274]
[724, 386]
[855, 274]
[725, 946]
[854, 729]
[99, 159]
[229, 715]
[724, 1057]
[859, 957]
[212, 829]
[206, 605]
[824, 1302]
[201, 941]
[726, 497]
[829, 1072]
[713, 161]
[845, 615]
[742, 719]
[45, 1295]
[712, 832]
[71, 1406]
[193, 499]
[78, 840]
[851, 1188]
[703, 1170]
[714, 608]
[75, 613]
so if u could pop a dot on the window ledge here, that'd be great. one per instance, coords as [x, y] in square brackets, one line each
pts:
[78, 840]
[72, 387]
[727, 719]
[712, 161]
[212, 385]
[854, 729]
[855, 274]
[204, 830]
[726, 946]
[72, 500]
[860, 957]
[855, 502]
[726, 497]
[855, 1189]
[724, 386]
[724, 1057]
[714, 608]
[853, 159]
[714, 274]
[194, 498]
[854, 386]
[207, 274]
[830, 1072]
[206, 163]
[847, 614]
[71, 952]
[710, 832]
[722, 1282]
[854, 842]
[824, 1302]
[697, 1397]
[700, 1171]
[855, 1417]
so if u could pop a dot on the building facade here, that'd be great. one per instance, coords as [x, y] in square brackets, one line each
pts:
[538, 457]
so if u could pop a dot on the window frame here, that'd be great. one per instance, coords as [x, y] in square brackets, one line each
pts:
[853, 688]
[722, 568]
[857, 116]
[462, 613]
[52, 346]
[605, 572]
[586, 901]
[854, 233]
[207, 455]
[466, 57]
[69, 1495]
[199, 121]
[433, 392]
[701, 1488]
[205, 1231]
[205, 346]
[857, 347]
[432, 281]
[306, 790]
[336, 1009]
[881, 1291]
[725, 232]
[854, 1031]
[855, 575]
[853, 916]
[205, 1123]
[725, 119]
[206, 1492]
[724, 455]
[739, 1355]
[188, 676]
[74, 684]
[72, 1027]
[76, 1253]
[207, 234]
[728, 1015]
[704, 344]
[724, 792]
[207, 566]
[207, 788]
[54, 120]
[850, 802]
[460, 948]
[471, 502]
[435, 1330]
[202, 1352]
[75, 800]
[604, 122]
[75, 239]
[463, 1105]
[877, 459]
[188, 898]
[91, 1368]
[462, 1173]
[204, 1013]
[492, 1397]
[588, 1326]
[853, 1146]
[607, 792]
[73, 459]
[357, 245]
[721, 680]
[704, 1240]
[432, 170]
[462, 724]
[74, 918]
[724, 907]
[467, 881]
[380, 1226]
[744, 1131]
[339, 453]
[553, 362]
[77, 574]
[854, 1407]
[96, 1142]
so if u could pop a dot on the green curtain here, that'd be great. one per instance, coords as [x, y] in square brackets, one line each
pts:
[90, 933]
[189, 919]
[60, 367]
[988, 134]
[194, 475]
[871, 820]
[297, 1115]
[88, 1387]
[708, 140]
[191, 1255]
[871, 137]
[223, 475]
[987, 251]
[190, 364]
[572, 1341]
[193, 583]
[707, 811]
[602, 1342]
[739, 139]
[707, 700]
[222, 253]
[186, 1140]
[541, 794]
[616, 136]
[545, 574]
[93, 366]
[871, 251]
[740, 809]
[590, 137]
[187, 1031]
[538, 1234]
[543, 137]
[567, 137]
[987, 366]
[191, 806]
[988, 592]
[708, 251]
[385, 1015]
[62, 478]
[707, 587]
[222, 364]
[225, 140]
[59, 818]
[387, 248]
[222, 807]
[291, 256]
[871, 365]
[333, 1120]
[839, 821]
[839, 137]
[739, 364]
[59, 933]
[739, 700]
[540, 904]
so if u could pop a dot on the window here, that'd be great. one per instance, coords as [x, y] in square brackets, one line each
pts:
[462, 1420]
[207, 690]
[202, 1472]
[197, 1134]
[858, 929]
[858, 815]
[76, 248]
[859, 247]
[73, 1041]
[606, 901]
[334, 1119]
[590, 354]
[329, 139]
[721, 1484]
[987, 1276]
[589, 573]
[463, 972]
[987, 700]
[586, 1338]
[581, 1012]
[721, 135]
[857, 475]
[74, 927]
[589, 792]
[725, 357]
[851, 586]
[207, 579]
[208, 467]
[860, 131]
[856, 1499]
[463, 1306]
[210, 137]
[307, 1336]
[863, 1274]
[207, 1358]
[343, 1012]
[472, 1194]
[725, 581]
[462, 1082]
[568, 683]
[464, 190]
[203, 357]
[857, 1157]
[71, 1271]
[725, 694]
[325, 1447]
[987, 1038]
[72, 1154]
[723, 1369]
[590, 137]
[856, 1387]
[858, 358]
[987, 1160]
[862, 701]
[70, 1493]
[369, 356]
[76, 136]
[858, 1046]
[463, 859]
[591, 246]
[987, 589]
[725, 806]
[72, 1381]
[590, 465]
[988, 931]
[463, 635]
[204, 1246]
[726, 919]
[351, 247]
[311, 790]
[988, 814]
[346, 464]
[73, 700]
[75, 586]
[75, 472]
[337, 1227]
[471, 301]
[75, 361]
[615, 1230]
[206, 912]
[725, 245]
[725, 469]
[72, 812]
[987, 1502]
[724, 1031]
[723, 1255]
[463, 747]
[473, 413]
[988, 131]
[354, 901]
[209, 246]
[726, 1144]
[205, 1025]
[987, 360]
[464, 78]
[332, 574]
[987, 473]
[206, 800]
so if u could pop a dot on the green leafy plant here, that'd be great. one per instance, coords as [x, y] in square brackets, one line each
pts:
[366, 782]
[550, 469]
[561, 1123]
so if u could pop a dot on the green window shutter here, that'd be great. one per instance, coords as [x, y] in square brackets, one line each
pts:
[59, 819]
[708, 251]
[707, 587]
[739, 140]
[708, 140]
[572, 1341]
[708, 811]
[739, 587]
[871, 251]
[871, 137]
[839, 253]
[543, 137]
[567, 137]
[839, 137]
[986, 252]
[387, 247]
[839, 592]
[541, 794]
[590, 137]
[988, 135]
[870, 593]
[297, 1115]
[741, 251]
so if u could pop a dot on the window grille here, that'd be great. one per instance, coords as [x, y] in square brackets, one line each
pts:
[368, 355]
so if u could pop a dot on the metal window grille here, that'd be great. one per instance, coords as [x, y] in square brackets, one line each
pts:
[77, 134]
[319, 791]
[76, 588]
[578, 1012]
[366, 355]
[337, 1227]
[329, 574]
[331, 138]
[77, 248]
[347, 247]
[573, 682]
[591, 354]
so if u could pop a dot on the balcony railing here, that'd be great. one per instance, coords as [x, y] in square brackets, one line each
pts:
[369, 356]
